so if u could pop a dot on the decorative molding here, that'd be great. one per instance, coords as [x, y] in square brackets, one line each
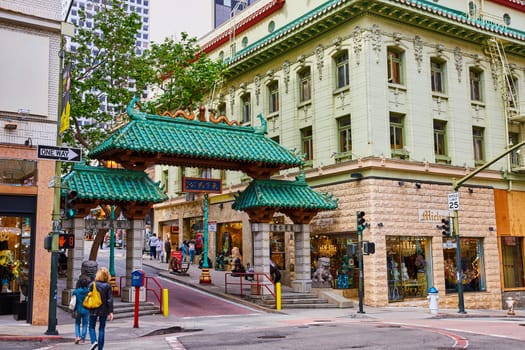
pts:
[286, 78]
[375, 37]
[397, 38]
[418, 52]
[458, 58]
[257, 83]
[358, 42]
[319, 55]
[270, 74]
[439, 50]
[337, 43]
[232, 98]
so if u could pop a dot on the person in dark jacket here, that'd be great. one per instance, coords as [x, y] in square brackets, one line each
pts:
[82, 313]
[103, 312]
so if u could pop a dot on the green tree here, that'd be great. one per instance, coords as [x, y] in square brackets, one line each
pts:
[183, 74]
[105, 68]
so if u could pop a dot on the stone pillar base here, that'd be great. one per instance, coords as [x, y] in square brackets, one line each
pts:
[302, 286]
[128, 294]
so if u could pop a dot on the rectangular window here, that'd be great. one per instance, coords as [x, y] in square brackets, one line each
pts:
[437, 74]
[475, 85]
[395, 66]
[472, 266]
[396, 135]
[512, 91]
[246, 108]
[273, 90]
[479, 142]
[440, 143]
[513, 264]
[305, 85]
[307, 143]
[342, 72]
[345, 134]
[409, 267]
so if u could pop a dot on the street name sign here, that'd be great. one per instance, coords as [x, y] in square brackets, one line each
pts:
[66, 154]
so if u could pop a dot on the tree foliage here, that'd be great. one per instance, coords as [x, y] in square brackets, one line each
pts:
[107, 68]
[183, 74]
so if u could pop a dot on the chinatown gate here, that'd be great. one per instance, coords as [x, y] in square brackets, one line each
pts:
[186, 140]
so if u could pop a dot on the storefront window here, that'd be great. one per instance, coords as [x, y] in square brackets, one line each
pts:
[409, 267]
[343, 268]
[15, 242]
[513, 264]
[229, 235]
[472, 265]
[277, 253]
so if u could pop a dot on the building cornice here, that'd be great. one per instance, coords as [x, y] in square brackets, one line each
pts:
[41, 23]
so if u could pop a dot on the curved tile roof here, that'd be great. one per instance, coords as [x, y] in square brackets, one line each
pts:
[97, 184]
[156, 139]
[282, 194]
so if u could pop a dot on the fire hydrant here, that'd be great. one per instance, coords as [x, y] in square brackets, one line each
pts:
[433, 300]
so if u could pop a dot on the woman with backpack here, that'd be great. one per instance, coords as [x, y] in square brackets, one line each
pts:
[82, 314]
[104, 312]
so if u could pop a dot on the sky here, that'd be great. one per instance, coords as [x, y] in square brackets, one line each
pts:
[171, 17]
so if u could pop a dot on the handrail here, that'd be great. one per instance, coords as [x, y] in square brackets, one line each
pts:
[258, 279]
[158, 296]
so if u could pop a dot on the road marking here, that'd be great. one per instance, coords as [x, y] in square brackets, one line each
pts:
[174, 343]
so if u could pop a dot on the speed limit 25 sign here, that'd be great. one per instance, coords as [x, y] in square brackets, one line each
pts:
[453, 201]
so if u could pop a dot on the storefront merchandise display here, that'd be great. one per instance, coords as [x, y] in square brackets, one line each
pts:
[471, 264]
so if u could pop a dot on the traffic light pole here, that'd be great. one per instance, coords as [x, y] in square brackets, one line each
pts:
[360, 258]
[455, 188]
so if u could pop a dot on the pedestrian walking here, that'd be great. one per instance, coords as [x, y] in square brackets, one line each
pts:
[159, 250]
[81, 313]
[191, 249]
[184, 250]
[167, 249]
[104, 312]
[153, 247]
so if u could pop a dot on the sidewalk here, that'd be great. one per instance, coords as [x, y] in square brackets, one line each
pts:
[121, 331]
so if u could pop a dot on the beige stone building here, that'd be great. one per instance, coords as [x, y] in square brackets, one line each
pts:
[390, 102]
[29, 89]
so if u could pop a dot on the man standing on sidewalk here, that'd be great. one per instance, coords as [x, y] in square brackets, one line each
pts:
[153, 247]
[167, 248]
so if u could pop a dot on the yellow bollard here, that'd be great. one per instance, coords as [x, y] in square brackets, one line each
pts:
[278, 296]
[165, 302]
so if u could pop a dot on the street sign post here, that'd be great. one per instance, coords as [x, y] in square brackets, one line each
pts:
[65, 154]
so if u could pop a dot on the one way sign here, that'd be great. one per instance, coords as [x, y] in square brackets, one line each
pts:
[60, 153]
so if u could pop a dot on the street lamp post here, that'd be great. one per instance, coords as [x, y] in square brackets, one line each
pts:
[205, 277]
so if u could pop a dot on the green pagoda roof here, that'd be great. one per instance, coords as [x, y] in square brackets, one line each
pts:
[112, 186]
[283, 194]
[152, 139]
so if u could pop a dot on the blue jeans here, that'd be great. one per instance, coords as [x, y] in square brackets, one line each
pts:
[84, 318]
[101, 330]
[192, 255]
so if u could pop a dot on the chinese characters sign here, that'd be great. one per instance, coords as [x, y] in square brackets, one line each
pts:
[193, 184]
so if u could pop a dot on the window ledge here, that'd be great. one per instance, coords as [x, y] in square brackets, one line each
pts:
[440, 95]
[337, 91]
[272, 115]
[479, 162]
[304, 104]
[397, 86]
[400, 154]
[308, 164]
[476, 103]
[342, 156]
[443, 159]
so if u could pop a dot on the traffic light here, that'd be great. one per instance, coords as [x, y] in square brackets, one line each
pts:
[369, 247]
[351, 249]
[361, 222]
[71, 204]
[445, 226]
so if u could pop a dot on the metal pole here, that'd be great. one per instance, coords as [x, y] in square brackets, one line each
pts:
[360, 256]
[112, 241]
[461, 303]
[205, 277]
[53, 294]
